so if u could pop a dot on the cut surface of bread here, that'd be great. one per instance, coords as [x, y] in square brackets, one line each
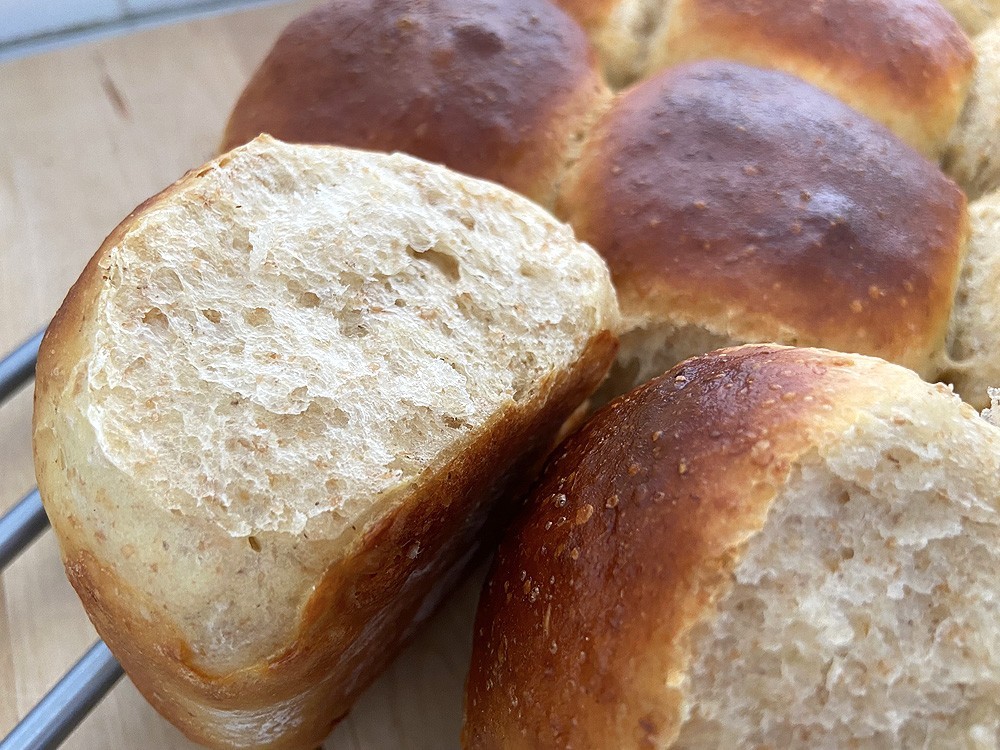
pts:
[277, 407]
[972, 155]
[753, 206]
[766, 547]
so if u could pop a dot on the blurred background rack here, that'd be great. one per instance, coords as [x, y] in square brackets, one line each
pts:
[90, 131]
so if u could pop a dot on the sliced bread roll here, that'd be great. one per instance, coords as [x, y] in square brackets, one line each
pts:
[765, 547]
[276, 410]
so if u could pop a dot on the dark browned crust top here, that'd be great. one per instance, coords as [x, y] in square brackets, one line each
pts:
[492, 88]
[720, 191]
[913, 51]
[629, 537]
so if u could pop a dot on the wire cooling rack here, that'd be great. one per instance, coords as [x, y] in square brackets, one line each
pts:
[57, 714]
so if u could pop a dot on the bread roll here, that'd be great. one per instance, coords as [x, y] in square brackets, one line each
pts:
[973, 362]
[499, 89]
[739, 205]
[973, 15]
[275, 411]
[620, 30]
[972, 155]
[765, 547]
[904, 63]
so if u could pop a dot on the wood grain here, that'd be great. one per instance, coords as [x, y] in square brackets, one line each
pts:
[87, 134]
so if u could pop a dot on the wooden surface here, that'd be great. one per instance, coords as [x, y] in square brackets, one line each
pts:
[87, 133]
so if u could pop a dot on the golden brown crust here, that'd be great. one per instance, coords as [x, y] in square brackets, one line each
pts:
[498, 90]
[629, 537]
[754, 204]
[906, 63]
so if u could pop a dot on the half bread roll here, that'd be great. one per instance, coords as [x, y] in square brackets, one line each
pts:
[277, 409]
[765, 547]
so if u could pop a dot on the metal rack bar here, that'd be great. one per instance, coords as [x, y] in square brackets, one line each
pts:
[20, 525]
[88, 681]
[18, 367]
[58, 713]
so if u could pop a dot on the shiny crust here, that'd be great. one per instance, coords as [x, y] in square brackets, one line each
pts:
[630, 536]
[753, 204]
[367, 604]
[906, 63]
[498, 89]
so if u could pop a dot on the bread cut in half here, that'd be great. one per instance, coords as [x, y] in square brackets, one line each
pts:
[766, 547]
[277, 409]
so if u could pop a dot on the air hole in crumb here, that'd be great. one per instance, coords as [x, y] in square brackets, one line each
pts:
[403, 464]
[455, 423]
[520, 390]
[847, 553]
[468, 222]
[528, 270]
[254, 543]
[154, 318]
[308, 299]
[352, 323]
[445, 263]
[213, 315]
[339, 418]
[400, 303]
[259, 316]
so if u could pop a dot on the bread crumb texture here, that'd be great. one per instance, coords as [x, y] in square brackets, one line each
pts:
[863, 613]
[270, 358]
[271, 324]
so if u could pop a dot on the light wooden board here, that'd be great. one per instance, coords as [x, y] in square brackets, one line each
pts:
[85, 135]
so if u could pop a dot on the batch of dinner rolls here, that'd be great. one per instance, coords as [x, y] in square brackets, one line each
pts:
[745, 254]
